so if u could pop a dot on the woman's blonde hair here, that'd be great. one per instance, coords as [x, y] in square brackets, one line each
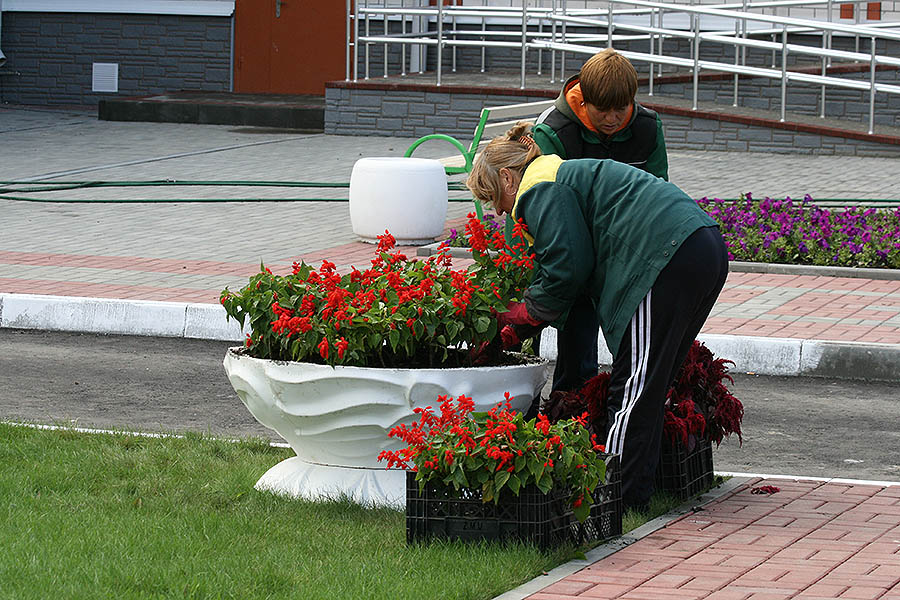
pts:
[514, 151]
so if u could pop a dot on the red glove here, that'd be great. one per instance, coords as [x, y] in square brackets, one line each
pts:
[517, 314]
[517, 325]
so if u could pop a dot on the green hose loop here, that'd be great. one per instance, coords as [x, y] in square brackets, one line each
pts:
[11, 190]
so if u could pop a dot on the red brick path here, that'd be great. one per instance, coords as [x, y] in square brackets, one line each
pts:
[809, 540]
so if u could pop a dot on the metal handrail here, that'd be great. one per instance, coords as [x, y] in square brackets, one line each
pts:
[559, 40]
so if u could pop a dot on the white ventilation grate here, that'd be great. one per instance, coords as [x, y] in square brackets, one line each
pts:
[105, 77]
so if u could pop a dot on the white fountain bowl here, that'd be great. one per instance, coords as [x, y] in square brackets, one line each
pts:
[337, 419]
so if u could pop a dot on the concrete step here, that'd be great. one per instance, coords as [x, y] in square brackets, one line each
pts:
[296, 112]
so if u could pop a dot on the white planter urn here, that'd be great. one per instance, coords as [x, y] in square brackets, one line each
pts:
[337, 419]
[406, 196]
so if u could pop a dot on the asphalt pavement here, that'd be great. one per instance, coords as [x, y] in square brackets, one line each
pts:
[793, 425]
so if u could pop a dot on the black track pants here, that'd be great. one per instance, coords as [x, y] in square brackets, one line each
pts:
[576, 347]
[651, 352]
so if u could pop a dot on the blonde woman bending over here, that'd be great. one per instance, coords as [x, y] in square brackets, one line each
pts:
[650, 259]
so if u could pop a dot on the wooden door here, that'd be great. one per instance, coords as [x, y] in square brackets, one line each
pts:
[288, 46]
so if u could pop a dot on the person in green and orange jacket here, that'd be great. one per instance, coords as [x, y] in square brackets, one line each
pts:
[596, 116]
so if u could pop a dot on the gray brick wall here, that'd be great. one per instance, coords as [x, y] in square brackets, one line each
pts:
[693, 133]
[419, 113]
[50, 55]
[408, 114]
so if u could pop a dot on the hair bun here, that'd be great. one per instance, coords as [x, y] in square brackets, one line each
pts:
[519, 131]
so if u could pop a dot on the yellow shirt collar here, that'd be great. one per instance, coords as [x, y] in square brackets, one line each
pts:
[541, 169]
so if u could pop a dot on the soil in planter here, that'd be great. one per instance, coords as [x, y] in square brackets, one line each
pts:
[455, 359]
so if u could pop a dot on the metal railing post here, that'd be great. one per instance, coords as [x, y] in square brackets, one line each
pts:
[824, 72]
[744, 35]
[540, 57]
[652, 65]
[347, 53]
[828, 33]
[366, 5]
[553, 52]
[784, 52]
[453, 59]
[696, 47]
[423, 49]
[386, 34]
[737, 58]
[774, 52]
[659, 21]
[440, 39]
[562, 55]
[609, 24]
[483, 38]
[524, 40]
[403, 46]
[872, 90]
[693, 18]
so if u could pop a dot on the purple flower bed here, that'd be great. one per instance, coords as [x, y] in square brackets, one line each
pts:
[792, 232]
[799, 232]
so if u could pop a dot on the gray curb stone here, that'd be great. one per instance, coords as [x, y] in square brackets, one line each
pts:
[761, 355]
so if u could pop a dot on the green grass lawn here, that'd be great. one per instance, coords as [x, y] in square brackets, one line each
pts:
[121, 516]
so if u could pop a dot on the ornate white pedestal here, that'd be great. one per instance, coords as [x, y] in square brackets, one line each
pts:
[337, 419]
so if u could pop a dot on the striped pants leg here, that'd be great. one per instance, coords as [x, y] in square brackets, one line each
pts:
[660, 334]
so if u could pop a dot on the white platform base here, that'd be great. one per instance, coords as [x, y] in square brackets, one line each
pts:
[369, 487]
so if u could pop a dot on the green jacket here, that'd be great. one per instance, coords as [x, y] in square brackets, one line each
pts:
[640, 143]
[604, 229]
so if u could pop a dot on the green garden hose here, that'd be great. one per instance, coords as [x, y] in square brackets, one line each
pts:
[54, 186]
[6, 192]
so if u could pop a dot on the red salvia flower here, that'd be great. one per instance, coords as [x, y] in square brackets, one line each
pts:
[341, 346]
[386, 242]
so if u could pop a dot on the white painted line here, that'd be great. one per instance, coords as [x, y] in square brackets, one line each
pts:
[841, 480]
[123, 432]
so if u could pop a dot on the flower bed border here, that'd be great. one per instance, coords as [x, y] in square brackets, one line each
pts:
[546, 520]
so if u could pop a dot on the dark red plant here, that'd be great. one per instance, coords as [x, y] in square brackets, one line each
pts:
[698, 403]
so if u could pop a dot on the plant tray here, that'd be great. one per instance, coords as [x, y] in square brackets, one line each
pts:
[685, 473]
[543, 519]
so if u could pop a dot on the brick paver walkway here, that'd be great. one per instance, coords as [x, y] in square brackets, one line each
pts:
[809, 540]
[784, 306]
[190, 252]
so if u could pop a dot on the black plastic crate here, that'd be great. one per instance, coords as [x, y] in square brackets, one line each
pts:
[685, 472]
[543, 519]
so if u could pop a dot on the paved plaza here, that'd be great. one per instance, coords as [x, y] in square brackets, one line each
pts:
[189, 252]
[812, 539]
